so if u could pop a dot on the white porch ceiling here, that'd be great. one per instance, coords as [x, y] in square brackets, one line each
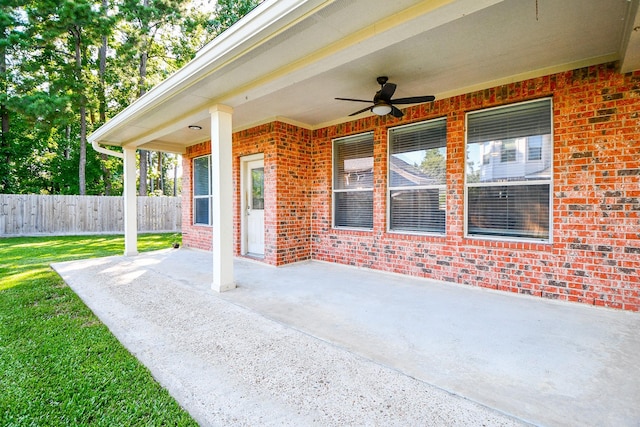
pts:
[289, 59]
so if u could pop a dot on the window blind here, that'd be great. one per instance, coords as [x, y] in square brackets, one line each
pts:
[527, 119]
[510, 211]
[417, 210]
[353, 182]
[354, 209]
[353, 162]
[423, 136]
[201, 176]
[417, 177]
[508, 191]
[202, 190]
[201, 211]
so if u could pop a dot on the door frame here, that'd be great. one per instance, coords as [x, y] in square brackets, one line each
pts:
[244, 163]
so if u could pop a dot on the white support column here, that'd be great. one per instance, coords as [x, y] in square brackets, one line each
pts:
[130, 203]
[222, 189]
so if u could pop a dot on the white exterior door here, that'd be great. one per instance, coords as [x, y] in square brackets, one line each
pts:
[254, 207]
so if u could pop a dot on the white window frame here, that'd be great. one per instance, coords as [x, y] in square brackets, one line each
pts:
[549, 182]
[335, 191]
[208, 196]
[390, 188]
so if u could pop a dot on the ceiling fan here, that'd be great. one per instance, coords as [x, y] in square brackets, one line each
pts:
[382, 102]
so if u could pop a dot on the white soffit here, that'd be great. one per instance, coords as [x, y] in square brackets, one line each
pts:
[294, 66]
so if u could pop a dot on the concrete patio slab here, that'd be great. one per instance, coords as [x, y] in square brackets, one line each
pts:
[323, 344]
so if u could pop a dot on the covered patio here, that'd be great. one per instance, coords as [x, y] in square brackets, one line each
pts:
[285, 65]
[324, 344]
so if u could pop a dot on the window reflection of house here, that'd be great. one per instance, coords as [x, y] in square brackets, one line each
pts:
[403, 174]
[416, 209]
[516, 159]
[358, 173]
[509, 195]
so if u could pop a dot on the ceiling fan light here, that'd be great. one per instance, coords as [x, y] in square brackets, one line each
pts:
[381, 109]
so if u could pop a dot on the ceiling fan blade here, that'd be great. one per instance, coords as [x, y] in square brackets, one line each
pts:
[387, 91]
[351, 99]
[396, 112]
[360, 111]
[414, 99]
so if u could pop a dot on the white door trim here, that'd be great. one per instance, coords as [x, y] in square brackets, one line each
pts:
[244, 162]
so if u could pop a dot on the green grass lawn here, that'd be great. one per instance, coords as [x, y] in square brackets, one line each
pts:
[59, 365]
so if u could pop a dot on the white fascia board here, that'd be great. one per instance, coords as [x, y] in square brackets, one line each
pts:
[158, 133]
[266, 21]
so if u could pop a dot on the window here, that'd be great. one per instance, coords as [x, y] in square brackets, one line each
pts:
[511, 197]
[202, 190]
[486, 153]
[257, 188]
[417, 177]
[534, 148]
[508, 151]
[353, 182]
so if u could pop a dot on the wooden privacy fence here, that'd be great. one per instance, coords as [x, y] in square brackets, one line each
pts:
[34, 214]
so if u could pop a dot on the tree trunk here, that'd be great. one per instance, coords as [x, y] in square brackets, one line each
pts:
[82, 182]
[4, 117]
[106, 173]
[175, 177]
[144, 165]
[76, 32]
[143, 153]
[142, 78]
[67, 148]
[160, 172]
[143, 173]
[152, 182]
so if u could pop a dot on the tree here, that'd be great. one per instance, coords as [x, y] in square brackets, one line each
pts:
[203, 26]
[58, 67]
[149, 27]
[228, 12]
[10, 23]
[434, 165]
[66, 66]
[102, 94]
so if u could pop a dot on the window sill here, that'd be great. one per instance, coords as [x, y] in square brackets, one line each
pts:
[510, 243]
[401, 233]
[353, 229]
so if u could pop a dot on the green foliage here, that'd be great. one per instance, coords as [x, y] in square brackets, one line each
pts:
[58, 82]
[228, 12]
[23, 256]
[60, 365]
[434, 165]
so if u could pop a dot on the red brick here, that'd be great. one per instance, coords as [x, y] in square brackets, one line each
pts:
[595, 207]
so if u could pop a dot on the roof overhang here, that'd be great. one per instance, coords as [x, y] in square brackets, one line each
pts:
[288, 59]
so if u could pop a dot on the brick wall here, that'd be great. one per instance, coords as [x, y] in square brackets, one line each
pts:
[293, 183]
[287, 211]
[595, 254]
[261, 139]
[287, 165]
[194, 236]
